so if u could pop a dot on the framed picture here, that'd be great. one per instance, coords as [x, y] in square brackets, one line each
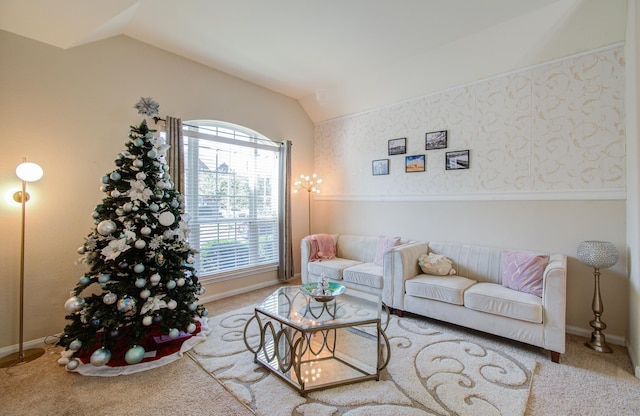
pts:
[457, 160]
[414, 163]
[380, 167]
[398, 146]
[436, 140]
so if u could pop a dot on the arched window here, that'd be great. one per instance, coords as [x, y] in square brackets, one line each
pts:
[232, 177]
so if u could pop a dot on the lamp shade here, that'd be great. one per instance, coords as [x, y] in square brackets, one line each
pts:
[29, 172]
[600, 254]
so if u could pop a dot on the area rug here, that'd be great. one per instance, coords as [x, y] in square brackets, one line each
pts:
[429, 373]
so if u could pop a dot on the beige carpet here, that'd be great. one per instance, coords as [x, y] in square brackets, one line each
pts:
[584, 383]
[430, 372]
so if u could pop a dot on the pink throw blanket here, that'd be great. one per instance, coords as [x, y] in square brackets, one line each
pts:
[322, 247]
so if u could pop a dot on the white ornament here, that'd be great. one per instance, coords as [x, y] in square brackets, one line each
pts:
[145, 294]
[172, 304]
[155, 279]
[140, 244]
[191, 328]
[166, 218]
[106, 227]
[145, 231]
[147, 320]
[141, 176]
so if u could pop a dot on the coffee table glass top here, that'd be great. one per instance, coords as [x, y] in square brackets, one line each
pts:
[291, 306]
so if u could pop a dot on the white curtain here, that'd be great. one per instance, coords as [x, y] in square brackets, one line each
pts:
[285, 270]
[175, 155]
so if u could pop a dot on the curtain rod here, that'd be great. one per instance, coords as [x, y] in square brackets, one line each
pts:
[156, 119]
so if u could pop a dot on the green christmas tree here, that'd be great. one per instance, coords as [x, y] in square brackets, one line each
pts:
[140, 274]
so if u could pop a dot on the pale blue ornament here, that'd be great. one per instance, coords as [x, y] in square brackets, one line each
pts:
[73, 364]
[75, 345]
[100, 357]
[134, 354]
[174, 333]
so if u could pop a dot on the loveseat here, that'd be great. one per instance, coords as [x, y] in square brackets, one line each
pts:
[360, 262]
[475, 296]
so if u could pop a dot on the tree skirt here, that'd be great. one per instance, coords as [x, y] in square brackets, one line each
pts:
[430, 372]
[159, 350]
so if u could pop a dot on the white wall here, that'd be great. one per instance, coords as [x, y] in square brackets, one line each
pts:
[70, 111]
[632, 50]
[547, 171]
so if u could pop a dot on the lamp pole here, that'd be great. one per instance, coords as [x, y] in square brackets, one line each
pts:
[27, 172]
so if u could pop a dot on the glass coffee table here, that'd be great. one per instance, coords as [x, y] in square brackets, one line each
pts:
[314, 345]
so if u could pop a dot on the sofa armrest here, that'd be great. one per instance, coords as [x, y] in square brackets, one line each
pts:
[399, 265]
[554, 303]
[305, 256]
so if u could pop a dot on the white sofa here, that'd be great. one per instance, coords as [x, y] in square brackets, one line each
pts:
[475, 297]
[353, 265]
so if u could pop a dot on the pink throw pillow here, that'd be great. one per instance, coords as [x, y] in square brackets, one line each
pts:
[522, 271]
[384, 244]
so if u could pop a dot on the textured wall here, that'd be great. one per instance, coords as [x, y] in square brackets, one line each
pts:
[554, 127]
[547, 171]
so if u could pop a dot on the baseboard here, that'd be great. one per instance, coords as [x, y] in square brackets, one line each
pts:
[634, 362]
[245, 289]
[10, 349]
[586, 333]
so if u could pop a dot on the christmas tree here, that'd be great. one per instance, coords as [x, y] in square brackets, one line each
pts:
[140, 279]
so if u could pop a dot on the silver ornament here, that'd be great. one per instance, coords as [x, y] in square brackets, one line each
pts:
[110, 298]
[74, 304]
[106, 227]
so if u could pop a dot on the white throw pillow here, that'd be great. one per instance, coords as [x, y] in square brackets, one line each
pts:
[436, 265]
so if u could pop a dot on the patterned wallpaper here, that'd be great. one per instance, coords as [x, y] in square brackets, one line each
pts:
[554, 129]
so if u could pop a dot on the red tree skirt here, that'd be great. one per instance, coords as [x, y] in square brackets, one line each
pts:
[159, 350]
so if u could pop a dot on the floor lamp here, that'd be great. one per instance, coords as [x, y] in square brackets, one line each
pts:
[597, 254]
[27, 172]
[309, 184]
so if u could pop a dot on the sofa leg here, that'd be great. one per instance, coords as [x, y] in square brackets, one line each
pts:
[399, 313]
[555, 357]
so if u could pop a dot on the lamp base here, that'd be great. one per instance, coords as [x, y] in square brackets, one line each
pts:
[598, 343]
[28, 355]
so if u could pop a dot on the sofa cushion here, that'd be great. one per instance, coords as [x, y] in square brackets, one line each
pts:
[384, 244]
[331, 268]
[448, 289]
[498, 300]
[523, 270]
[366, 274]
[436, 265]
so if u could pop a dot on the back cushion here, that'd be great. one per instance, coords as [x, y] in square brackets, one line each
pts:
[357, 247]
[474, 262]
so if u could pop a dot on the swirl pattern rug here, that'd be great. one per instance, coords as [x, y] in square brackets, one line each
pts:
[429, 373]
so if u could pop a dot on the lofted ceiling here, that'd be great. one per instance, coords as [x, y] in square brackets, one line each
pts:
[314, 51]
